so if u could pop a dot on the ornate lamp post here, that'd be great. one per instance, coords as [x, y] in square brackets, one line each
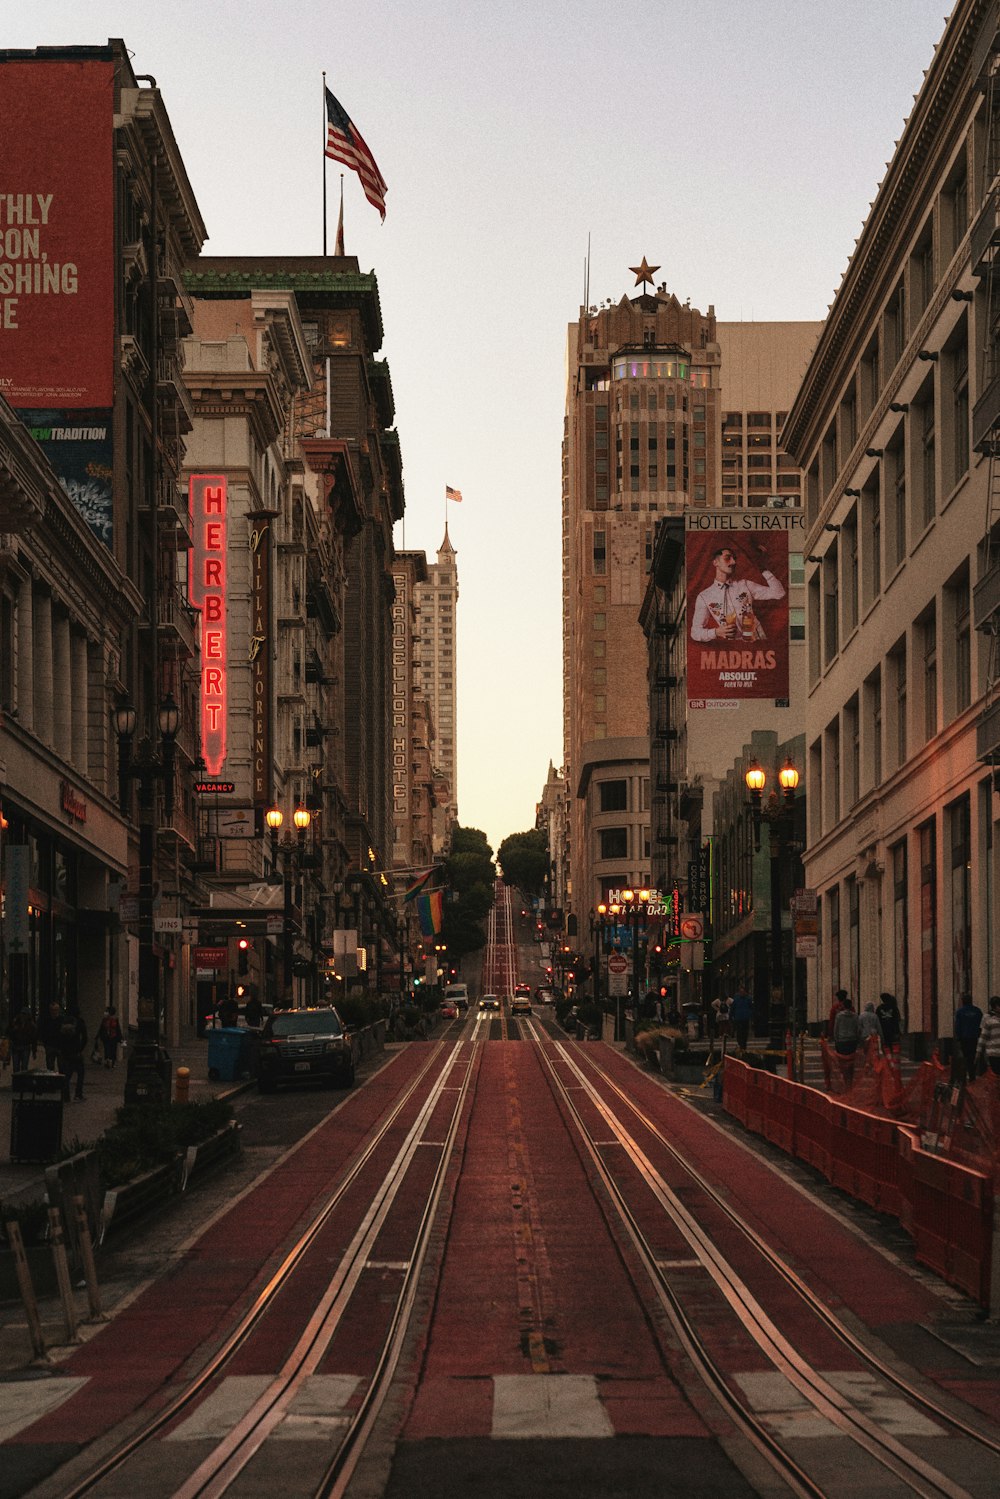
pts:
[598, 923]
[634, 903]
[148, 1076]
[291, 854]
[778, 814]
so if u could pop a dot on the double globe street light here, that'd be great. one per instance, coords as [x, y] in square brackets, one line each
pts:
[779, 814]
[274, 817]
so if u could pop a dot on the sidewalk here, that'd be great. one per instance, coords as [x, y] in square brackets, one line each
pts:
[86, 1119]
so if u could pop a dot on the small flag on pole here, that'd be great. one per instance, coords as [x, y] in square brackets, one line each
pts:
[418, 885]
[344, 144]
[452, 494]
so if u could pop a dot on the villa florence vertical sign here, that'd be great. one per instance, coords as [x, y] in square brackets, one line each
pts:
[57, 269]
[737, 604]
[260, 659]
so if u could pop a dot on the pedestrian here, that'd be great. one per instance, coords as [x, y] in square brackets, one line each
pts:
[989, 1036]
[50, 1033]
[890, 1020]
[967, 1025]
[109, 1033]
[23, 1036]
[741, 1015]
[253, 1012]
[846, 1034]
[72, 1040]
[869, 1023]
[840, 998]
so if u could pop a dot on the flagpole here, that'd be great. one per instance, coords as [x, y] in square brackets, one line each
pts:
[324, 161]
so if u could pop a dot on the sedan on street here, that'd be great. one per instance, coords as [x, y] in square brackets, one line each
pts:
[299, 1045]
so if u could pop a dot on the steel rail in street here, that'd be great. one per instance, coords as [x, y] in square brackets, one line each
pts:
[923, 1479]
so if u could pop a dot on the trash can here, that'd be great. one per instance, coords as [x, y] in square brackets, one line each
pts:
[36, 1116]
[225, 1052]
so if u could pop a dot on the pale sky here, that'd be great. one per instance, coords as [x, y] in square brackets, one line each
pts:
[738, 145]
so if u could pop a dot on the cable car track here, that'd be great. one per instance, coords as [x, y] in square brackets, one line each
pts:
[920, 1476]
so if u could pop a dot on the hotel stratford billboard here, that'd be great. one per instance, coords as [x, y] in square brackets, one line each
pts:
[736, 565]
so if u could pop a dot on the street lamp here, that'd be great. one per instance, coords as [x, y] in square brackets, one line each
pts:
[634, 903]
[148, 1076]
[292, 853]
[598, 923]
[779, 815]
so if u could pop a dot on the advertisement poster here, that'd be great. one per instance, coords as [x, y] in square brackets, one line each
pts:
[57, 267]
[737, 605]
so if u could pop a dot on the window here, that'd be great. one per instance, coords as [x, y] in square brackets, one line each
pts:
[600, 552]
[831, 640]
[600, 647]
[925, 429]
[900, 923]
[928, 640]
[957, 371]
[600, 676]
[852, 745]
[922, 273]
[796, 624]
[7, 648]
[958, 680]
[871, 382]
[613, 796]
[600, 622]
[959, 819]
[872, 757]
[831, 759]
[927, 834]
[849, 542]
[896, 481]
[895, 326]
[897, 663]
[614, 843]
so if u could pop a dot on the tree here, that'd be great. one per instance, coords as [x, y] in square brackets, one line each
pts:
[524, 859]
[470, 875]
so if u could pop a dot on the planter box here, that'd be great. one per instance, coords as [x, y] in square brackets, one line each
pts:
[201, 1159]
[139, 1198]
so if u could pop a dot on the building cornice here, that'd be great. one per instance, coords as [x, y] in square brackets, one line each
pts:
[247, 393]
[920, 139]
[312, 278]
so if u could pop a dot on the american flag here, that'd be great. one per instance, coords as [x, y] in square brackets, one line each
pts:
[452, 494]
[344, 144]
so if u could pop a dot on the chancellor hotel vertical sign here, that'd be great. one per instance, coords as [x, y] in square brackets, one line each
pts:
[401, 669]
[260, 659]
[207, 583]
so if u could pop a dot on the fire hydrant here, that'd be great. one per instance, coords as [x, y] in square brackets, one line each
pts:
[182, 1080]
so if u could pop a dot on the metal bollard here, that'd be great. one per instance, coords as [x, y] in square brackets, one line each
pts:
[183, 1080]
[87, 1255]
[62, 1275]
[34, 1321]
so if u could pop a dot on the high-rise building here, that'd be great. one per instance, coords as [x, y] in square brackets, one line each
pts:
[437, 609]
[667, 410]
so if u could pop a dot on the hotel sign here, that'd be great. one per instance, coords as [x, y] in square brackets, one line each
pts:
[209, 519]
[260, 659]
[401, 675]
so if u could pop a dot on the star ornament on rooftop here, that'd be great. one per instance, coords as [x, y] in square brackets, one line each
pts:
[644, 272]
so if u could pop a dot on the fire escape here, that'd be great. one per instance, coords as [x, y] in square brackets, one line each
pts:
[985, 253]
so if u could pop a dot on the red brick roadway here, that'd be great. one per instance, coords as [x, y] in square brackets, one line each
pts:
[530, 1282]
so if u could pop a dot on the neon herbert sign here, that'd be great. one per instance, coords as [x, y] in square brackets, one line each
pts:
[208, 501]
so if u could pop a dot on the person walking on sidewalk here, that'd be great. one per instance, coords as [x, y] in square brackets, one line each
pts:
[109, 1033]
[890, 1020]
[968, 1024]
[869, 1023]
[741, 1015]
[72, 1041]
[840, 999]
[23, 1035]
[846, 1033]
[51, 1029]
[989, 1036]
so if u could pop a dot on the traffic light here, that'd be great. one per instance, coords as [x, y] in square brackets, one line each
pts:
[243, 961]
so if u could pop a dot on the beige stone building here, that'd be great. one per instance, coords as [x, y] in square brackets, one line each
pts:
[667, 410]
[437, 610]
[897, 424]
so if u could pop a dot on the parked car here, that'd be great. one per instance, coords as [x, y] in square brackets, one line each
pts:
[449, 1010]
[298, 1045]
[545, 996]
[489, 1002]
[521, 1004]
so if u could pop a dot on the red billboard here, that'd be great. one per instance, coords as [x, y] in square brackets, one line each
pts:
[57, 234]
[737, 606]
